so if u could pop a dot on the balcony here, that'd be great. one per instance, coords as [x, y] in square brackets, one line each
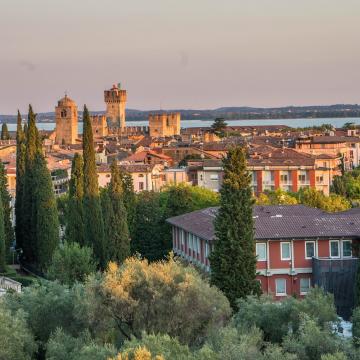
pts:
[9, 284]
[337, 276]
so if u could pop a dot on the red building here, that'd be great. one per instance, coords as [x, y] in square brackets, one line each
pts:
[290, 242]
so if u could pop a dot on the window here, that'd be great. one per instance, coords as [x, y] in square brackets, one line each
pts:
[304, 286]
[320, 179]
[214, 177]
[280, 285]
[141, 185]
[284, 178]
[346, 248]
[309, 249]
[302, 178]
[206, 250]
[334, 249]
[261, 251]
[141, 175]
[285, 251]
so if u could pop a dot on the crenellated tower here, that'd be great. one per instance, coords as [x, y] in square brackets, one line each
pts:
[115, 100]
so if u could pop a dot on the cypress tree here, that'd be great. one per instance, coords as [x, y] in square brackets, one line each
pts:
[94, 228]
[20, 176]
[28, 211]
[108, 217]
[148, 239]
[46, 221]
[6, 198]
[129, 199]
[5, 132]
[75, 230]
[118, 240]
[233, 260]
[2, 240]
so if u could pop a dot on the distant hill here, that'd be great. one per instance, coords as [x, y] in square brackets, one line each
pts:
[231, 113]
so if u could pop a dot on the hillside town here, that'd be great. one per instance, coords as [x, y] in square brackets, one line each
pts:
[179, 180]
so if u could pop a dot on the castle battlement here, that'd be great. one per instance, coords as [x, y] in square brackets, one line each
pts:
[164, 124]
[115, 100]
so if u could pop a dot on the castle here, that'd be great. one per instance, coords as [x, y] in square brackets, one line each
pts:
[115, 100]
[114, 120]
[162, 125]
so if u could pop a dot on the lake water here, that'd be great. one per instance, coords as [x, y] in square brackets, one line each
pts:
[337, 122]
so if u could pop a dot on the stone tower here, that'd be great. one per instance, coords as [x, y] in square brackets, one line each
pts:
[66, 116]
[115, 100]
[164, 124]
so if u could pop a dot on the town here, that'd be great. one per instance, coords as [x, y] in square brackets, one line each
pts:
[179, 180]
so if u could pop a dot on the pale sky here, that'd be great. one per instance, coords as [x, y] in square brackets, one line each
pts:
[179, 53]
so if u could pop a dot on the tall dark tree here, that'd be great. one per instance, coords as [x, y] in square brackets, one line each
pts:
[148, 238]
[233, 260]
[94, 228]
[2, 240]
[46, 220]
[5, 135]
[218, 126]
[30, 183]
[118, 240]
[129, 198]
[75, 231]
[20, 176]
[178, 200]
[6, 199]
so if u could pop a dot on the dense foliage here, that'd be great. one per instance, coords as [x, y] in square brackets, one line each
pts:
[71, 263]
[348, 185]
[309, 196]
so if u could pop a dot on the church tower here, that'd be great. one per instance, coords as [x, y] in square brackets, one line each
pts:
[66, 116]
[115, 100]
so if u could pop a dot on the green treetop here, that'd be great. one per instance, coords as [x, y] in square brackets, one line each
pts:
[44, 214]
[233, 260]
[2, 240]
[5, 132]
[20, 175]
[94, 227]
[28, 231]
[6, 198]
[75, 230]
[218, 127]
[118, 239]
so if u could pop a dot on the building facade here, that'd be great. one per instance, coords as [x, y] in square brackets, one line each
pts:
[290, 240]
[66, 116]
[115, 100]
[284, 169]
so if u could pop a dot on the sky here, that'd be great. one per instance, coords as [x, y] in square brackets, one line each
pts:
[190, 54]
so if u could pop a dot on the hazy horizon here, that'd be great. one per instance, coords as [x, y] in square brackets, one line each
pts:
[201, 54]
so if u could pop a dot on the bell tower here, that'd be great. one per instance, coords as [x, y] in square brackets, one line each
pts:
[115, 100]
[66, 116]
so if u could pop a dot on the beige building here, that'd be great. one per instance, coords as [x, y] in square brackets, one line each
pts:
[161, 125]
[66, 116]
[115, 100]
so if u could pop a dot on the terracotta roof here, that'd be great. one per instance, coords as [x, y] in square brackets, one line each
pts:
[278, 222]
[333, 139]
